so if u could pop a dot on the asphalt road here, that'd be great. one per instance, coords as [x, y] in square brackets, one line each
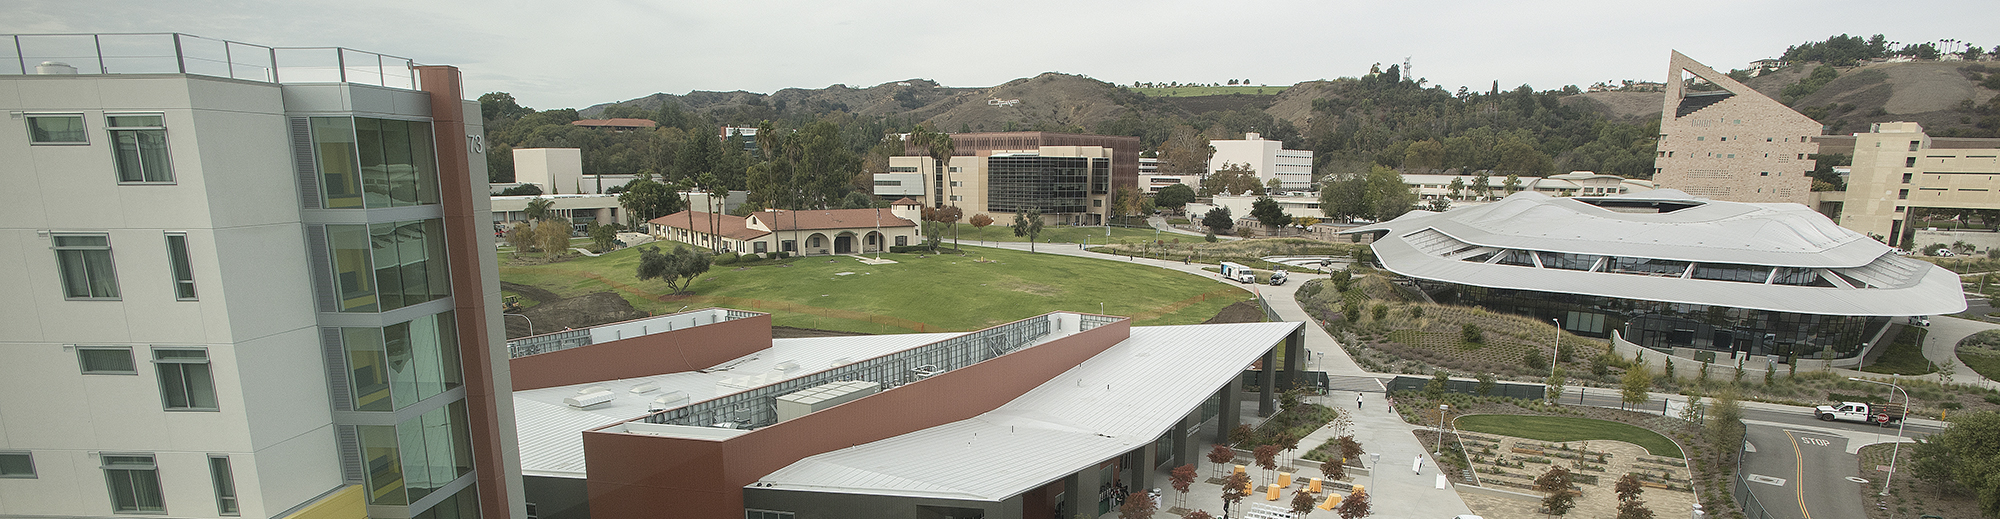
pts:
[1784, 416]
[1802, 475]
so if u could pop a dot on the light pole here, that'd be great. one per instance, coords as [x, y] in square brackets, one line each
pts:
[1374, 465]
[1438, 449]
[531, 323]
[1894, 449]
[1555, 347]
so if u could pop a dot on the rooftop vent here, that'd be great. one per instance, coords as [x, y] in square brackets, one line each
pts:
[667, 401]
[586, 400]
[646, 387]
[55, 68]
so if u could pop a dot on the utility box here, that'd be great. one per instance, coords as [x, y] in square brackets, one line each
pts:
[806, 401]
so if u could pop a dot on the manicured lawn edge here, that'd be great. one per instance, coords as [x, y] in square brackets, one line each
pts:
[1566, 429]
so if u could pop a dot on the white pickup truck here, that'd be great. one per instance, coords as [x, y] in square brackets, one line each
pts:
[1878, 414]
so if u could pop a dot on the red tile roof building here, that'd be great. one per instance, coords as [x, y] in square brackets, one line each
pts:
[824, 231]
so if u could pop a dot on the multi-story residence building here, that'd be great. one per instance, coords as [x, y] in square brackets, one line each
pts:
[247, 282]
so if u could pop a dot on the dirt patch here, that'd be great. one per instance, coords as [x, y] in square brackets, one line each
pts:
[1512, 464]
[1240, 312]
[1911, 496]
[570, 313]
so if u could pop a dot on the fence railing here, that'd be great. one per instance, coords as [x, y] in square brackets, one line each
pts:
[176, 53]
[1752, 507]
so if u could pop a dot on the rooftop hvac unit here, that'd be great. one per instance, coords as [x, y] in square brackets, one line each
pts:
[788, 365]
[588, 399]
[668, 400]
[809, 400]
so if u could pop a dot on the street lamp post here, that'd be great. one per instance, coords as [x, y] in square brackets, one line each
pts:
[1894, 449]
[1374, 465]
[1439, 448]
[531, 322]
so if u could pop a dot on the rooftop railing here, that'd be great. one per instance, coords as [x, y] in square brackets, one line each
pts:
[175, 53]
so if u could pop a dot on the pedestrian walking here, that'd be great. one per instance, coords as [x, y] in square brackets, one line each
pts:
[1418, 467]
[1357, 400]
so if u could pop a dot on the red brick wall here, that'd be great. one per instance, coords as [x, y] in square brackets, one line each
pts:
[688, 349]
[629, 473]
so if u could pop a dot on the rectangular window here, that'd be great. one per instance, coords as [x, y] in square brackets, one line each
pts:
[1909, 162]
[85, 262]
[106, 361]
[408, 461]
[1913, 145]
[1902, 194]
[752, 513]
[902, 241]
[185, 380]
[183, 270]
[761, 246]
[17, 464]
[1907, 177]
[134, 482]
[225, 484]
[56, 129]
[403, 363]
[140, 147]
[386, 266]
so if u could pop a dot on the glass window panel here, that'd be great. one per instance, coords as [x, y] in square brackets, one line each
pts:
[436, 268]
[1565, 261]
[56, 129]
[402, 364]
[17, 465]
[354, 277]
[87, 269]
[186, 383]
[140, 148]
[397, 164]
[334, 147]
[134, 482]
[448, 358]
[106, 361]
[381, 452]
[1797, 276]
[225, 485]
[438, 450]
[423, 156]
[1517, 258]
[368, 368]
[183, 271]
[374, 179]
[1732, 272]
[461, 442]
[416, 470]
[386, 243]
[1647, 266]
[428, 359]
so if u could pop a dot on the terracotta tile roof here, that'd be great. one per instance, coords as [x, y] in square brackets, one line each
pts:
[615, 123]
[906, 201]
[732, 227]
[813, 219]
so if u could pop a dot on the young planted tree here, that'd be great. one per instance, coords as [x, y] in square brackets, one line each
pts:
[1628, 487]
[1302, 504]
[1181, 478]
[1634, 509]
[1219, 458]
[1349, 449]
[1233, 489]
[980, 221]
[1555, 384]
[1240, 435]
[1354, 507]
[1333, 468]
[1555, 483]
[1638, 381]
[1486, 383]
[552, 236]
[1137, 507]
[1288, 441]
[1267, 459]
[1028, 224]
[949, 215]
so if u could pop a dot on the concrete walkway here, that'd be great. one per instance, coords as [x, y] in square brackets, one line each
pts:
[1941, 344]
[1395, 492]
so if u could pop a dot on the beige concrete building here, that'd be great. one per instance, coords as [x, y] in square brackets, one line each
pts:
[1898, 167]
[1731, 143]
[1071, 179]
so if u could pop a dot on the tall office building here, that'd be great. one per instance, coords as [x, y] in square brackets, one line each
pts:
[1292, 168]
[246, 281]
[1722, 140]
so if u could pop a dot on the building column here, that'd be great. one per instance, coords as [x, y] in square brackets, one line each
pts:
[1144, 462]
[1184, 445]
[1267, 398]
[1295, 354]
[1080, 492]
[1231, 413]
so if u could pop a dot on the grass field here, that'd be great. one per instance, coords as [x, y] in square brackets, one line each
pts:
[1210, 91]
[1565, 429]
[986, 287]
[1905, 356]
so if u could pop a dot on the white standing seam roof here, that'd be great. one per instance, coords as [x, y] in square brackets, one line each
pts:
[551, 432]
[1432, 246]
[1114, 402]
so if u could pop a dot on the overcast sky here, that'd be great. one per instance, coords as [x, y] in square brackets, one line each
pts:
[581, 52]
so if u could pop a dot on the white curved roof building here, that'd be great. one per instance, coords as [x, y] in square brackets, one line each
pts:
[1687, 272]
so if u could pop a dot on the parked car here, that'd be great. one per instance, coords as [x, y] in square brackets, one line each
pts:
[1944, 253]
[1920, 320]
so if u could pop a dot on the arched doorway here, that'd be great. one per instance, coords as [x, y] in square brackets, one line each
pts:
[816, 244]
[843, 243]
[873, 242]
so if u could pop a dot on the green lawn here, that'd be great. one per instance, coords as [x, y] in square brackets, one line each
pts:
[984, 288]
[1905, 356]
[1210, 91]
[1981, 352]
[1565, 429]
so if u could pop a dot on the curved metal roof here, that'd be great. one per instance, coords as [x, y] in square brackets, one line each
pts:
[1872, 280]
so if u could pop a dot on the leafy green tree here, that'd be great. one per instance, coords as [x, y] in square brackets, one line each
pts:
[645, 199]
[1028, 224]
[603, 236]
[1471, 333]
[1185, 152]
[552, 236]
[1724, 422]
[1457, 188]
[678, 268]
[1638, 382]
[540, 209]
[1424, 155]
[1267, 212]
[1486, 383]
[1218, 220]
[1555, 385]
[939, 147]
[1435, 388]
[1966, 452]
[1232, 179]
[1174, 197]
[1482, 185]
[1512, 184]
